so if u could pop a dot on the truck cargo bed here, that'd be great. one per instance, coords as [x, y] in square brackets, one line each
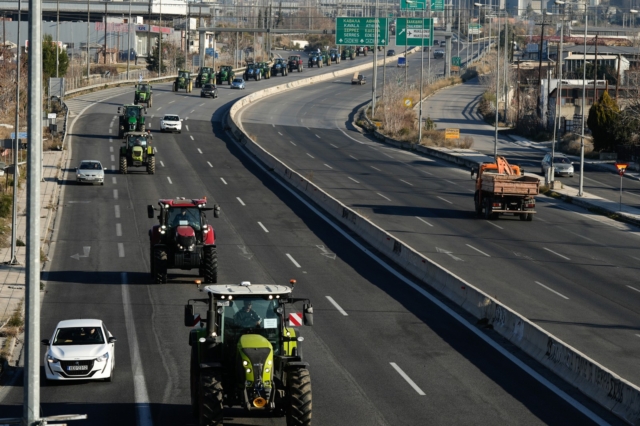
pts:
[500, 184]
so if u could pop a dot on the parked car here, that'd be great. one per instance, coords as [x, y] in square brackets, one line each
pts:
[80, 349]
[171, 123]
[209, 91]
[562, 165]
[237, 83]
[90, 171]
[391, 52]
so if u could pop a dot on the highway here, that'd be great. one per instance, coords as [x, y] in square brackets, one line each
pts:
[379, 353]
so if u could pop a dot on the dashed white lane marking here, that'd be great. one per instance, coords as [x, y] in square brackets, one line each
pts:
[375, 168]
[263, 227]
[333, 145]
[192, 111]
[335, 305]
[424, 221]
[118, 230]
[310, 155]
[223, 181]
[328, 166]
[172, 101]
[445, 200]
[353, 179]
[115, 194]
[292, 143]
[113, 158]
[294, 261]
[110, 149]
[557, 254]
[387, 155]
[479, 251]
[401, 180]
[318, 137]
[273, 125]
[110, 130]
[110, 139]
[111, 124]
[153, 115]
[280, 133]
[169, 179]
[117, 211]
[186, 118]
[199, 151]
[158, 109]
[241, 202]
[383, 196]
[209, 163]
[353, 157]
[202, 104]
[407, 379]
[186, 127]
[491, 223]
[552, 290]
[633, 288]
[191, 137]
[120, 249]
[113, 180]
[162, 164]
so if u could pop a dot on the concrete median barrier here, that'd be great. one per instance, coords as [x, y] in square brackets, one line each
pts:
[591, 378]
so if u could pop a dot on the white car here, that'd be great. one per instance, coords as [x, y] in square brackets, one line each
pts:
[90, 171]
[80, 349]
[171, 123]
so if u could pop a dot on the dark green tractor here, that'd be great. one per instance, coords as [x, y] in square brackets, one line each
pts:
[348, 53]
[143, 94]
[326, 58]
[183, 82]
[226, 73]
[131, 119]
[244, 353]
[137, 151]
[265, 69]
[205, 75]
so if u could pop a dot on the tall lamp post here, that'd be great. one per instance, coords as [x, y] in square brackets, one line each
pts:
[557, 127]
[129, 42]
[424, 7]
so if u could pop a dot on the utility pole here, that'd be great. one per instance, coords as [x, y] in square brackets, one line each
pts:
[618, 78]
[149, 33]
[88, 40]
[540, 65]
[187, 27]
[160, 43]
[375, 63]
[424, 6]
[129, 42]
[105, 33]
[16, 147]
[595, 72]
[57, 36]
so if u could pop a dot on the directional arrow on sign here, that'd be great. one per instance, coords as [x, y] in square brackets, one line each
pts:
[361, 41]
[401, 31]
[85, 251]
[340, 40]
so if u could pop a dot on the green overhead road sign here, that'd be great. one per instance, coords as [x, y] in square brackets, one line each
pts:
[455, 61]
[409, 32]
[436, 5]
[361, 31]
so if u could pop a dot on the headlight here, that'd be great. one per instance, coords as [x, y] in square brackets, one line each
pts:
[245, 363]
[103, 358]
[52, 360]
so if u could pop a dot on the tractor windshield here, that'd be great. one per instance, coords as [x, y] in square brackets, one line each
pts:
[133, 112]
[137, 141]
[255, 316]
[184, 216]
[184, 75]
[142, 87]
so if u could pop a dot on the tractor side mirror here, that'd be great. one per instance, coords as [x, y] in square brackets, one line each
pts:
[307, 312]
[150, 211]
[145, 110]
[216, 211]
[104, 168]
[181, 119]
[188, 315]
[119, 110]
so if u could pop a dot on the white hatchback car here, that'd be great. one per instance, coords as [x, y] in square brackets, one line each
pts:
[171, 123]
[90, 171]
[80, 349]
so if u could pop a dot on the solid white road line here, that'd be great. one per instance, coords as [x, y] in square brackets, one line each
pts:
[387, 155]
[552, 291]
[209, 163]
[223, 181]
[445, 200]
[452, 183]
[115, 194]
[375, 168]
[353, 179]
[162, 164]
[408, 379]
[241, 202]
[113, 158]
[310, 155]
[333, 145]
[120, 249]
[118, 230]
[263, 227]
[328, 166]
[422, 220]
[141, 396]
[293, 260]
[191, 137]
[317, 136]
[169, 179]
[113, 180]
[338, 307]
[293, 143]
[383, 196]
[491, 223]
[633, 288]
[557, 254]
[479, 251]
[199, 151]
[410, 184]
[117, 211]
[353, 157]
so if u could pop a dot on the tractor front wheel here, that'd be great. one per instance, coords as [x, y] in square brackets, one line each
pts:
[160, 266]
[299, 391]
[151, 165]
[210, 399]
[210, 265]
[149, 102]
[123, 165]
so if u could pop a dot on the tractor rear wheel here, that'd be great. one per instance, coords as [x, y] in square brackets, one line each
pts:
[210, 265]
[123, 165]
[151, 165]
[150, 102]
[299, 391]
[160, 266]
[210, 399]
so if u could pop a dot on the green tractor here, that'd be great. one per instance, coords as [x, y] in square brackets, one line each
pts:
[326, 58]
[265, 69]
[205, 75]
[131, 119]
[245, 354]
[226, 73]
[348, 53]
[143, 94]
[183, 81]
[137, 152]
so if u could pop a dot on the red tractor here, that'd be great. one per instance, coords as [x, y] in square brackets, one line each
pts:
[183, 239]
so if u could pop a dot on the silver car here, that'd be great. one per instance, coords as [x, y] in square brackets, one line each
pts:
[562, 165]
[90, 171]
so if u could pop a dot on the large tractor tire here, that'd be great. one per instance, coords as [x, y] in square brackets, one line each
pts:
[299, 392]
[150, 102]
[210, 399]
[478, 205]
[151, 165]
[123, 165]
[210, 265]
[160, 266]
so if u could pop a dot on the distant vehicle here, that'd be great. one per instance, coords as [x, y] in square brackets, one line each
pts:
[391, 52]
[171, 123]
[81, 349]
[436, 43]
[90, 171]
[402, 62]
[438, 54]
[358, 79]
[237, 83]
[562, 165]
[209, 91]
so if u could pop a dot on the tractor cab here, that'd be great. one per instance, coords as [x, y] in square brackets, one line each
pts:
[184, 74]
[184, 220]
[144, 87]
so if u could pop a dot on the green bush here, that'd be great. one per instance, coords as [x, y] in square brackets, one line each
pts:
[5, 205]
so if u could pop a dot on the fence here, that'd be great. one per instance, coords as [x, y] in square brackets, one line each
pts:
[74, 83]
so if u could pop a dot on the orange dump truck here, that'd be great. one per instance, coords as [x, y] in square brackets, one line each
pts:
[502, 189]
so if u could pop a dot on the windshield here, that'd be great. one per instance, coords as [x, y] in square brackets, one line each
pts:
[237, 80]
[172, 117]
[257, 314]
[133, 112]
[78, 336]
[137, 141]
[184, 216]
[184, 75]
[561, 160]
[208, 86]
[90, 166]
[142, 87]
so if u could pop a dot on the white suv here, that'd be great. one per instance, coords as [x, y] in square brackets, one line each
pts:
[171, 123]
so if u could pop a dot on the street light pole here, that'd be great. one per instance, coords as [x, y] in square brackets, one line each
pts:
[129, 42]
[16, 147]
[88, 39]
[557, 128]
[57, 37]
[375, 64]
[584, 95]
[424, 6]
